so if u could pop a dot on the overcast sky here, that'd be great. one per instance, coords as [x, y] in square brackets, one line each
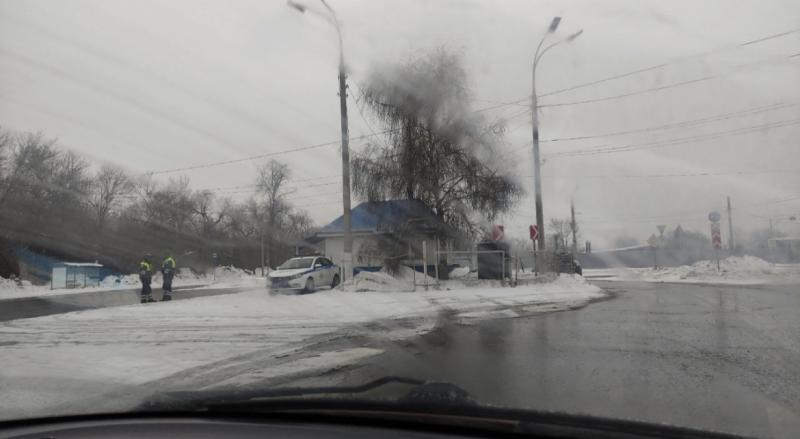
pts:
[159, 85]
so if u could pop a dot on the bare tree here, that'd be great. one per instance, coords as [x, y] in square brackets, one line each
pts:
[6, 141]
[31, 166]
[273, 177]
[436, 150]
[209, 212]
[560, 231]
[50, 200]
[108, 186]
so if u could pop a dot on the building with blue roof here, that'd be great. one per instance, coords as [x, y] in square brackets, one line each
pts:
[401, 223]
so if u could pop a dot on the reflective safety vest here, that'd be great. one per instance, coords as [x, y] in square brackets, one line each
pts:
[168, 263]
[145, 266]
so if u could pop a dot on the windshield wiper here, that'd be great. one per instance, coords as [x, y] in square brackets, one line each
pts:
[428, 404]
[218, 397]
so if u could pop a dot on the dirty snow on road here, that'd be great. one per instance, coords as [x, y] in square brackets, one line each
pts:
[741, 270]
[49, 360]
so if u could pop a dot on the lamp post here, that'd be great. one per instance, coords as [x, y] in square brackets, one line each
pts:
[347, 251]
[537, 177]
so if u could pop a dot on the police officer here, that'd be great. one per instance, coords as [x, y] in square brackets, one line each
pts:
[146, 276]
[167, 273]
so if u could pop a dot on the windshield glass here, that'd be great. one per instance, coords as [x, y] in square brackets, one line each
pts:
[584, 207]
[292, 264]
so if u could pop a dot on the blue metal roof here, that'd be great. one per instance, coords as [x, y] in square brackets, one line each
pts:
[381, 216]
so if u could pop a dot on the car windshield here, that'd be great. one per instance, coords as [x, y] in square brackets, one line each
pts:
[292, 264]
[581, 207]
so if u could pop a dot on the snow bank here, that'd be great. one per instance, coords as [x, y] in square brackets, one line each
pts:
[50, 359]
[223, 277]
[733, 270]
[383, 281]
[13, 284]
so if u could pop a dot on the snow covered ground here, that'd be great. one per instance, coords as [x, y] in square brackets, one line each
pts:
[742, 270]
[52, 362]
[222, 278]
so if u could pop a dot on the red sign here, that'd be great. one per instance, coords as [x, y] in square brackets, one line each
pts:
[498, 232]
[533, 230]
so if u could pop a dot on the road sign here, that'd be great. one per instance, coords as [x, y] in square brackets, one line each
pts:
[661, 228]
[716, 236]
[533, 230]
[498, 232]
[714, 216]
[652, 240]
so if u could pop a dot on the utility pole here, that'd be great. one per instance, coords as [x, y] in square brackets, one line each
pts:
[573, 226]
[347, 250]
[537, 174]
[347, 256]
[730, 228]
[262, 249]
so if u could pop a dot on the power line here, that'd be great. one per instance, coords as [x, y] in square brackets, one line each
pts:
[255, 157]
[317, 204]
[325, 194]
[675, 141]
[683, 124]
[682, 215]
[634, 93]
[270, 154]
[673, 61]
[663, 87]
[647, 69]
[680, 175]
[255, 188]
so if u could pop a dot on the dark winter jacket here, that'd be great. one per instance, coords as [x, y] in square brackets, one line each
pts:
[168, 266]
[145, 271]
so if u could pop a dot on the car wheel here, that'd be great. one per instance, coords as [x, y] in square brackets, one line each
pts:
[335, 281]
[310, 285]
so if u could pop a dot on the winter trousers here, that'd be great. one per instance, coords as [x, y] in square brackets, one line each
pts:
[146, 290]
[167, 285]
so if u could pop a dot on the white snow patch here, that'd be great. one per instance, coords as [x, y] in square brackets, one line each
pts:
[742, 270]
[459, 272]
[222, 277]
[136, 344]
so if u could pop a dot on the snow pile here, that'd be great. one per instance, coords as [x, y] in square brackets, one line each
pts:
[383, 281]
[225, 276]
[13, 284]
[46, 361]
[460, 273]
[222, 277]
[733, 270]
[126, 282]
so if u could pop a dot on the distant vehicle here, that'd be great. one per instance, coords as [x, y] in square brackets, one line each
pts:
[304, 274]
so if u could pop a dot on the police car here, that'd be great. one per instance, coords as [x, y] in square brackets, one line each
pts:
[304, 274]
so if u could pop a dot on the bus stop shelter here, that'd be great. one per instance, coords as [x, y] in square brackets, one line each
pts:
[75, 275]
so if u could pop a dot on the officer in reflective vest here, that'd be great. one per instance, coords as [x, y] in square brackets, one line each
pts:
[167, 273]
[146, 276]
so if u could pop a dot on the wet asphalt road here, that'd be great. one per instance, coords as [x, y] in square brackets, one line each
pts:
[27, 307]
[723, 358]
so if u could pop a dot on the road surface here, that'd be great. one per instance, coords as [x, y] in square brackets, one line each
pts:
[723, 358]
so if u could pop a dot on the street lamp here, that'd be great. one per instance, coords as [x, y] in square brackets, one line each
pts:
[347, 252]
[537, 177]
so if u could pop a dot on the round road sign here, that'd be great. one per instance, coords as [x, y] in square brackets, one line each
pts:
[714, 216]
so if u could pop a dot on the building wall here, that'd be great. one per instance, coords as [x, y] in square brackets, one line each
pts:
[333, 247]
